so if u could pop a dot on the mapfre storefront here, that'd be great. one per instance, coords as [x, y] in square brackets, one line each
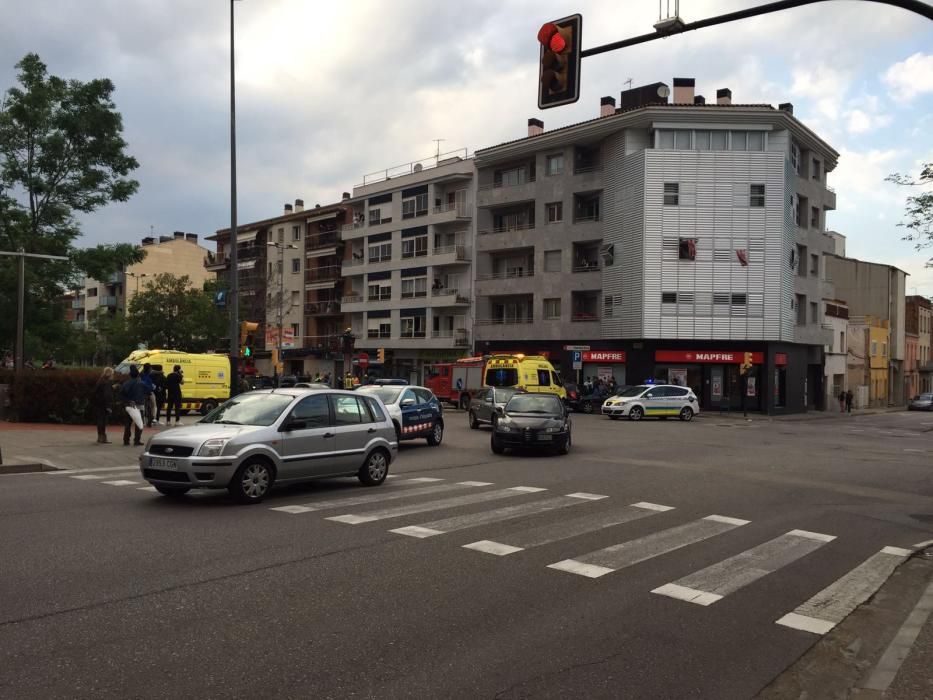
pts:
[604, 364]
[714, 376]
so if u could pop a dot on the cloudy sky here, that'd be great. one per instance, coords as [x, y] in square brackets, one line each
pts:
[329, 91]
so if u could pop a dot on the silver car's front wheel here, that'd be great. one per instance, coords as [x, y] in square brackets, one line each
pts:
[375, 469]
[251, 482]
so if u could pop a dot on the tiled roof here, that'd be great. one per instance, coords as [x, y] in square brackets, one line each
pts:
[304, 213]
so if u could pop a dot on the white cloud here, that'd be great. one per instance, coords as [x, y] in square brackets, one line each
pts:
[861, 122]
[911, 77]
[859, 177]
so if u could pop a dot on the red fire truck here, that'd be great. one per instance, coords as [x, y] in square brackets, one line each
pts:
[456, 382]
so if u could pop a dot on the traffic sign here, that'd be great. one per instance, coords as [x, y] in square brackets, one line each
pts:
[577, 348]
[578, 359]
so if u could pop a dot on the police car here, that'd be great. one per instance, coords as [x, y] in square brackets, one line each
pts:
[414, 410]
[653, 401]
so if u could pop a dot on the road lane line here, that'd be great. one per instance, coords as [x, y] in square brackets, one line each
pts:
[121, 482]
[462, 522]
[69, 472]
[625, 554]
[921, 545]
[709, 585]
[424, 507]
[423, 479]
[153, 489]
[555, 532]
[87, 477]
[833, 604]
[387, 494]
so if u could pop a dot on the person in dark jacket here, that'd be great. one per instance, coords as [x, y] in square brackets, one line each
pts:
[102, 400]
[849, 398]
[158, 378]
[173, 384]
[146, 378]
[133, 395]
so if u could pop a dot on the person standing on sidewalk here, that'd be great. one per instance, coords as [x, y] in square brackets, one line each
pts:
[102, 401]
[849, 398]
[173, 384]
[158, 378]
[842, 402]
[146, 378]
[133, 395]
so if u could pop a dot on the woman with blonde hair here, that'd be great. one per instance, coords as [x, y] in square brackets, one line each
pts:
[103, 403]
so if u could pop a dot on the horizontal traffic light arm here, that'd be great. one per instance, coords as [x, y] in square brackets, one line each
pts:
[921, 8]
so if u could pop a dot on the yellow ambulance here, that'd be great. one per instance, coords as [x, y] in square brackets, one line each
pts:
[532, 373]
[207, 376]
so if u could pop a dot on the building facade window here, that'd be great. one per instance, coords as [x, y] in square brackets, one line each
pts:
[668, 297]
[380, 252]
[687, 249]
[795, 157]
[281, 236]
[415, 206]
[296, 330]
[814, 265]
[296, 265]
[710, 140]
[552, 260]
[554, 164]
[555, 212]
[374, 216]
[874, 348]
[414, 287]
[413, 326]
[415, 247]
[815, 170]
[379, 292]
[815, 218]
[296, 233]
[671, 194]
[552, 309]
[379, 328]
[814, 312]
[756, 195]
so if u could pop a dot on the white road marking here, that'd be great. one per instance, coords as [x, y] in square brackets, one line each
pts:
[833, 604]
[713, 583]
[491, 547]
[87, 477]
[913, 449]
[573, 566]
[120, 482]
[475, 483]
[388, 494]
[414, 508]
[67, 472]
[147, 488]
[620, 556]
[423, 479]
[555, 532]
[921, 545]
[587, 496]
[462, 522]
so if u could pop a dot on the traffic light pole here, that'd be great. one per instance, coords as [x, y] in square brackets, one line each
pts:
[233, 296]
[917, 6]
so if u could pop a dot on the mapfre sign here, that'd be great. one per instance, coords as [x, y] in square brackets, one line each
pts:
[607, 356]
[706, 357]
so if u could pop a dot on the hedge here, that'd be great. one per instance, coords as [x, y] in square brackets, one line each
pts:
[54, 396]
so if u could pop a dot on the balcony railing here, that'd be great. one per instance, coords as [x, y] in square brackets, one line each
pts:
[460, 336]
[499, 184]
[79, 323]
[585, 218]
[322, 240]
[583, 169]
[381, 296]
[504, 321]
[379, 258]
[372, 333]
[353, 226]
[414, 295]
[107, 301]
[506, 229]
[354, 262]
[413, 334]
[77, 303]
[463, 209]
[461, 252]
[352, 299]
[327, 343]
[216, 260]
[322, 274]
[586, 267]
[505, 274]
[318, 308]
[584, 316]
[420, 253]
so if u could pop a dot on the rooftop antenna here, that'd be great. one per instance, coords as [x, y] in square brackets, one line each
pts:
[629, 83]
[437, 149]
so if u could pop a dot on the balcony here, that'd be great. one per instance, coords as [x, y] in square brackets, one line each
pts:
[215, 262]
[451, 297]
[354, 226]
[322, 277]
[352, 299]
[322, 308]
[584, 316]
[925, 368]
[381, 296]
[351, 267]
[495, 194]
[587, 266]
[410, 335]
[507, 229]
[107, 300]
[451, 255]
[322, 244]
[505, 275]
[319, 343]
[505, 321]
[376, 333]
[453, 212]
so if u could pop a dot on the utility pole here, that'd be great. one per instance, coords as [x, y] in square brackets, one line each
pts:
[21, 298]
[233, 296]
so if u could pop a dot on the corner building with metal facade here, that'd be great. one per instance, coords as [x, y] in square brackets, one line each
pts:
[669, 237]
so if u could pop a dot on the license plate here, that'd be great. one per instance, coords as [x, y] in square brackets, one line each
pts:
[161, 463]
[545, 437]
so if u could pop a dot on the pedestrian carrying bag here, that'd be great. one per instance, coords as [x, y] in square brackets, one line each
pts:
[136, 416]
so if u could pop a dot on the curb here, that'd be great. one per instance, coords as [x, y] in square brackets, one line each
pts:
[26, 468]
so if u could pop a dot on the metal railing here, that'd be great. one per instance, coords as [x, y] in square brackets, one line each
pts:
[507, 274]
[353, 225]
[584, 316]
[77, 303]
[354, 262]
[323, 240]
[107, 300]
[506, 229]
[585, 219]
[416, 166]
[378, 334]
[414, 254]
[352, 299]
[412, 334]
[414, 295]
[587, 267]
[381, 296]
[322, 307]
[461, 252]
[583, 169]
[463, 209]
[501, 185]
[504, 321]
[320, 342]
[322, 274]
[215, 260]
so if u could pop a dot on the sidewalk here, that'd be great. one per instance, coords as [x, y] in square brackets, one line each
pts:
[808, 416]
[28, 447]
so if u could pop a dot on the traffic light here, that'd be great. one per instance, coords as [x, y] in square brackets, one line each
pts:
[247, 328]
[381, 356]
[559, 66]
[747, 362]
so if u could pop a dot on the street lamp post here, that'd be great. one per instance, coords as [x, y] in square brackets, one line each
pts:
[233, 296]
[281, 248]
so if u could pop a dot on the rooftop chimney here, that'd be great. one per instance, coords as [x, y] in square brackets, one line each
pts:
[148, 240]
[288, 208]
[724, 96]
[535, 127]
[345, 196]
[607, 106]
[683, 91]
[179, 234]
[699, 100]
[786, 107]
[193, 237]
[299, 205]
[164, 239]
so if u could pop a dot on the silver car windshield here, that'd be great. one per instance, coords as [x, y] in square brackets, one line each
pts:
[250, 409]
[634, 391]
[529, 403]
[388, 394]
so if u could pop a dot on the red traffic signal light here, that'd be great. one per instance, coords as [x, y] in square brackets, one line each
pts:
[559, 65]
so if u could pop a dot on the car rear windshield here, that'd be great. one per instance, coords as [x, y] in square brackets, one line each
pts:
[534, 403]
[388, 394]
[502, 376]
[250, 409]
[632, 391]
[503, 394]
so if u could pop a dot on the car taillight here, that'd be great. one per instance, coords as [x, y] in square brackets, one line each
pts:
[573, 394]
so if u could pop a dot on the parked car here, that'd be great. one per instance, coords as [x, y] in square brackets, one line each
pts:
[535, 421]
[311, 385]
[487, 403]
[414, 410]
[279, 436]
[923, 402]
[654, 401]
[390, 382]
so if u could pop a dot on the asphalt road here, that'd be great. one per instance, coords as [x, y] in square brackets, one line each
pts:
[109, 590]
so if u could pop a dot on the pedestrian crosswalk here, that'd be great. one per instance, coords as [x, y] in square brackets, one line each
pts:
[511, 520]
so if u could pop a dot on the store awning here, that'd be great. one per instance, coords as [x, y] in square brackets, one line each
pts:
[321, 217]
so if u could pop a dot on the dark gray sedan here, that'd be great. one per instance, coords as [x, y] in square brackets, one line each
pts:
[923, 402]
[532, 421]
[487, 403]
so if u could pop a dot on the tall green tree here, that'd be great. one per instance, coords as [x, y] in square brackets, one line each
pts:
[172, 314]
[918, 208]
[61, 153]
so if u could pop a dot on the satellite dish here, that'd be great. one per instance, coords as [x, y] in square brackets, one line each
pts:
[664, 91]
[418, 167]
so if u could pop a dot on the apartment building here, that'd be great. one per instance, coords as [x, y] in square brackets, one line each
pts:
[407, 266]
[868, 361]
[669, 237]
[178, 254]
[876, 291]
[918, 362]
[836, 352]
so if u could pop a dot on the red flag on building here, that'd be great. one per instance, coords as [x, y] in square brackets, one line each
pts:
[742, 255]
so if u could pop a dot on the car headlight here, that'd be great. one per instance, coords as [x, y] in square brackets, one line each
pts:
[503, 427]
[554, 429]
[213, 447]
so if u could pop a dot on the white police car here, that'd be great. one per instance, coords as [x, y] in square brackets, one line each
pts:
[653, 401]
[414, 410]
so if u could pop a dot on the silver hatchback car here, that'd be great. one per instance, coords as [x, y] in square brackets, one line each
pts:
[274, 436]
